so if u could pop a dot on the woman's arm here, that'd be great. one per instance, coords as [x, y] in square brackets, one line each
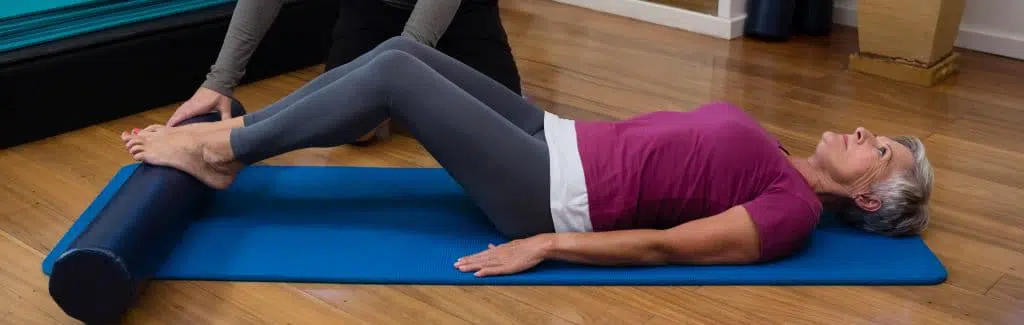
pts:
[249, 23]
[727, 238]
[430, 19]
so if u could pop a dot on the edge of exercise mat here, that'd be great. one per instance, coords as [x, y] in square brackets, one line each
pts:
[88, 215]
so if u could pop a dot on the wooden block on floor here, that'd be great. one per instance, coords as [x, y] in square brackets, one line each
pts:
[895, 69]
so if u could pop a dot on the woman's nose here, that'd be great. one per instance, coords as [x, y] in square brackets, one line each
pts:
[863, 134]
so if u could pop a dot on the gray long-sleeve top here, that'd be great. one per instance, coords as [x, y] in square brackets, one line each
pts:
[252, 18]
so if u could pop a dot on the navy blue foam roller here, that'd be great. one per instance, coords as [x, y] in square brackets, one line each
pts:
[101, 274]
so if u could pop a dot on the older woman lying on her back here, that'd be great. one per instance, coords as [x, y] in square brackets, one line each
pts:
[701, 187]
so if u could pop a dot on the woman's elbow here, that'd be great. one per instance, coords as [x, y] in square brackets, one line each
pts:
[742, 254]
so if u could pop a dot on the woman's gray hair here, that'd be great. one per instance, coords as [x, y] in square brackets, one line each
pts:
[904, 197]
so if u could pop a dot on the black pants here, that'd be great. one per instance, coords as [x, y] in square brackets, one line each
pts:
[475, 36]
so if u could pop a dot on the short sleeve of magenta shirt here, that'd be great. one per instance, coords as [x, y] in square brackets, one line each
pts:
[784, 220]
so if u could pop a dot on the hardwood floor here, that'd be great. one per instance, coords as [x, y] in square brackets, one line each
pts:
[584, 64]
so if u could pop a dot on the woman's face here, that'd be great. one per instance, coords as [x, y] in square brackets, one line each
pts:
[858, 159]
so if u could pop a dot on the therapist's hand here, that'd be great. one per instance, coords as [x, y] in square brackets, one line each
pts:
[202, 102]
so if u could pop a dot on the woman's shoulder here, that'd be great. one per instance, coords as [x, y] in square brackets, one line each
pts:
[785, 217]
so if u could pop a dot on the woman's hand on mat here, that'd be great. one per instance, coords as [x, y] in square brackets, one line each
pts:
[509, 258]
[203, 101]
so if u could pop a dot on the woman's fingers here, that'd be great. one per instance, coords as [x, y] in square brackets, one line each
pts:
[482, 254]
[478, 261]
[486, 272]
[486, 263]
[469, 266]
[495, 270]
[474, 260]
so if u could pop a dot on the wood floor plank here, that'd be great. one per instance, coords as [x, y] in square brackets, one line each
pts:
[186, 302]
[968, 249]
[278, 303]
[38, 226]
[383, 304]
[479, 305]
[983, 160]
[964, 193]
[941, 304]
[17, 311]
[987, 78]
[968, 274]
[1010, 288]
[66, 194]
[684, 305]
[993, 125]
[952, 302]
[579, 304]
[907, 101]
[791, 305]
[23, 286]
[845, 114]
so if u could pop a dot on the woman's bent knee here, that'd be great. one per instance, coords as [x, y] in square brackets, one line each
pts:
[401, 43]
[393, 66]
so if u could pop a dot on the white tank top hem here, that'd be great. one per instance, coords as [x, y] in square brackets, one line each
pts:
[570, 208]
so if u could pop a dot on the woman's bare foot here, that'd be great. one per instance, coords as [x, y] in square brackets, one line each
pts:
[206, 156]
[194, 128]
[369, 137]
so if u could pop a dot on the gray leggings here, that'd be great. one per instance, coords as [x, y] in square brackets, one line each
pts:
[488, 138]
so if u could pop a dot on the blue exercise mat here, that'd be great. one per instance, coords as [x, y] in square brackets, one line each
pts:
[409, 225]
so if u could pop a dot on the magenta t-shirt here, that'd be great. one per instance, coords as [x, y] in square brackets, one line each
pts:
[662, 169]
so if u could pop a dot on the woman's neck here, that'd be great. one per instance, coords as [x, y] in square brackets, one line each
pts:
[816, 178]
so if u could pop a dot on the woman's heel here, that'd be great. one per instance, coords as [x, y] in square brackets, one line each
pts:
[382, 132]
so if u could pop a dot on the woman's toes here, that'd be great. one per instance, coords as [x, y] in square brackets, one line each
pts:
[135, 143]
[136, 140]
[153, 128]
[136, 149]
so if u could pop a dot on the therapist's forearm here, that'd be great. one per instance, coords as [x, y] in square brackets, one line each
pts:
[430, 19]
[249, 23]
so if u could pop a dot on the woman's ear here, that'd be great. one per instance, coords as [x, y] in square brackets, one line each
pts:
[867, 202]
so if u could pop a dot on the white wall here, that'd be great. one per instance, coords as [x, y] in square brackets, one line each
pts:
[990, 26]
